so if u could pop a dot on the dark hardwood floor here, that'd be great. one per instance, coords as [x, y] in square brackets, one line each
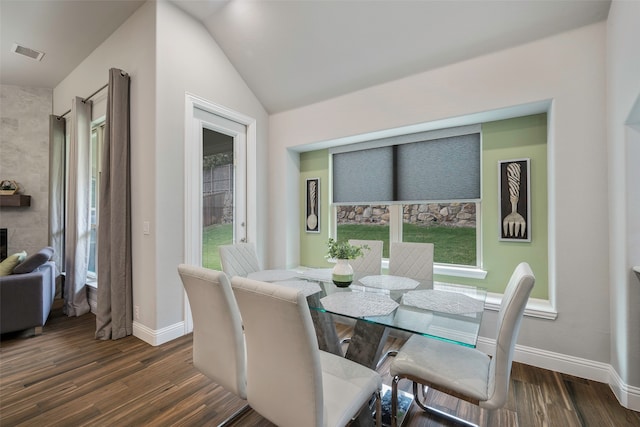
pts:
[65, 377]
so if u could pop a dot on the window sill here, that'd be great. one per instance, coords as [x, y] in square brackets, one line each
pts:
[539, 308]
[451, 270]
[459, 271]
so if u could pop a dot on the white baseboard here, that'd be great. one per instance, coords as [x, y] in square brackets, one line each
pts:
[160, 336]
[628, 396]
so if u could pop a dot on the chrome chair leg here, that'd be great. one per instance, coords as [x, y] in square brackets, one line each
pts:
[233, 417]
[394, 401]
[390, 353]
[420, 403]
[433, 410]
[378, 409]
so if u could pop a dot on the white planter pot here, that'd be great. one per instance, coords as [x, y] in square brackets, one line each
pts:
[342, 273]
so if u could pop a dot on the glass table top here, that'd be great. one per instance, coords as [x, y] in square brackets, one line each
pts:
[442, 311]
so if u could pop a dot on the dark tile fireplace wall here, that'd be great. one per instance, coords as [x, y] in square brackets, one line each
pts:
[3, 243]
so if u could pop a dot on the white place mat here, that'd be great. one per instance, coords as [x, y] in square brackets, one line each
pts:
[307, 288]
[320, 274]
[272, 275]
[442, 301]
[392, 283]
[359, 304]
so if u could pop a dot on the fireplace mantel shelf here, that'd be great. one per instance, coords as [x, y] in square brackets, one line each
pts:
[15, 200]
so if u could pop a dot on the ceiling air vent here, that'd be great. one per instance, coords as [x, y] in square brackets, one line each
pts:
[31, 53]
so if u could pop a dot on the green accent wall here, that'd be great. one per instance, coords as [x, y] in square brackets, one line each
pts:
[522, 137]
[313, 246]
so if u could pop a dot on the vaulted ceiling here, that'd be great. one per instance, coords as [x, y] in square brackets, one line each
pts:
[296, 52]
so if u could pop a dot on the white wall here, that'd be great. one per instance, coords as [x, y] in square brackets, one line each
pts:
[567, 68]
[132, 49]
[623, 109]
[189, 60]
[166, 53]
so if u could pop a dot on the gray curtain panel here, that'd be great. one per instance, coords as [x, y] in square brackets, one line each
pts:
[77, 230]
[57, 129]
[114, 318]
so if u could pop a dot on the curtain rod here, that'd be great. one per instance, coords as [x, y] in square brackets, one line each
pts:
[84, 100]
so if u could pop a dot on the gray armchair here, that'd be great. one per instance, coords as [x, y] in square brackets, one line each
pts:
[26, 299]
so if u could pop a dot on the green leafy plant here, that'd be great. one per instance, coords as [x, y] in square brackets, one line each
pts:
[344, 250]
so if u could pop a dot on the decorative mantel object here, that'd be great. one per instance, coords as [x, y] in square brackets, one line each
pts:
[342, 252]
[8, 187]
[312, 215]
[515, 200]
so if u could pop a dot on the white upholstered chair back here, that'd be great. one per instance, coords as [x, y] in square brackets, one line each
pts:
[465, 372]
[218, 341]
[239, 259]
[510, 316]
[283, 362]
[371, 262]
[410, 259]
[289, 380]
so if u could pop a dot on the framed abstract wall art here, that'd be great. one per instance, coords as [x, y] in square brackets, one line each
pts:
[312, 214]
[514, 192]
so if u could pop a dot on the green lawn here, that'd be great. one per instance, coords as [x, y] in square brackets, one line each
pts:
[452, 245]
[212, 237]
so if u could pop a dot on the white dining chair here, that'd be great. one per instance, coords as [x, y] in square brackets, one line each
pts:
[371, 262]
[218, 341]
[410, 259]
[290, 381]
[239, 259]
[465, 372]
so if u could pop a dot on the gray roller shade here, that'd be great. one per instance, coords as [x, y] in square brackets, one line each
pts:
[410, 168]
[440, 169]
[363, 176]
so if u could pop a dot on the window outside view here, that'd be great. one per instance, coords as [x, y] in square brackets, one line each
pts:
[97, 135]
[451, 227]
[217, 203]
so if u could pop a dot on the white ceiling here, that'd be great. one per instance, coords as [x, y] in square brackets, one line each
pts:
[297, 52]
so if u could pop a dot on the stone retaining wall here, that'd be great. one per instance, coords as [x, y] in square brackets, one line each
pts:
[448, 214]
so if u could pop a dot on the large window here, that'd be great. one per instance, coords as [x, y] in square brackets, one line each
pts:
[422, 187]
[97, 137]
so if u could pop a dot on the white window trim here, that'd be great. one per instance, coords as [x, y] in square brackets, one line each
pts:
[383, 141]
[100, 122]
[536, 307]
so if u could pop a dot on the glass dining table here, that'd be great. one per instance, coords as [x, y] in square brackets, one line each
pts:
[380, 303]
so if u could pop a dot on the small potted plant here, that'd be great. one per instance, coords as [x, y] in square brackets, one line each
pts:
[342, 252]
